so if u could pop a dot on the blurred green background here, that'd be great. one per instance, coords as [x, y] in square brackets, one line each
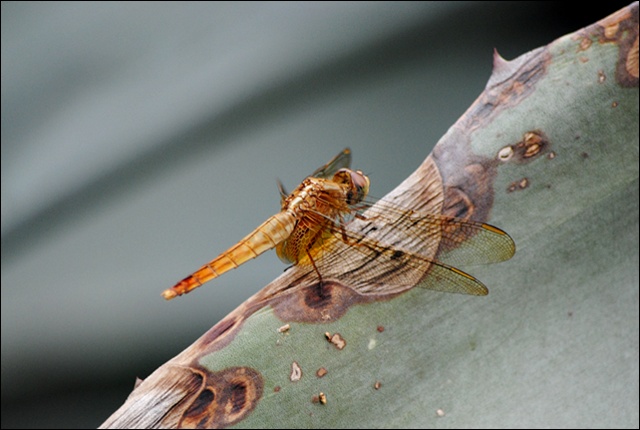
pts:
[139, 140]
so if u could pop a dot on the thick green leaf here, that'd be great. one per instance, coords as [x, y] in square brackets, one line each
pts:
[549, 153]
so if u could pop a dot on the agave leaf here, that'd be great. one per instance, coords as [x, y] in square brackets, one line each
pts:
[549, 153]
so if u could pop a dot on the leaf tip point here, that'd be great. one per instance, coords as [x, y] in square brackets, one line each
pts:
[499, 63]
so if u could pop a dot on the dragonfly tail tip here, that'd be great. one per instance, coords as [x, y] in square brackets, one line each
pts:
[169, 294]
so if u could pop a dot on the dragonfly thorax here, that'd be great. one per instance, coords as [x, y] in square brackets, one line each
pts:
[346, 188]
[316, 204]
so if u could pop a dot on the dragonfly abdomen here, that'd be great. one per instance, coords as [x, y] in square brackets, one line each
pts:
[268, 235]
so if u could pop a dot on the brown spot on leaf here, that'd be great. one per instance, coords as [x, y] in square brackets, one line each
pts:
[336, 339]
[319, 302]
[468, 190]
[225, 398]
[505, 153]
[277, 389]
[518, 185]
[585, 43]
[377, 385]
[318, 296]
[201, 404]
[221, 334]
[296, 372]
[322, 397]
[631, 65]
[458, 204]
[601, 76]
[620, 28]
[380, 329]
[611, 30]
[321, 372]
[551, 155]
[532, 144]
[285, 328]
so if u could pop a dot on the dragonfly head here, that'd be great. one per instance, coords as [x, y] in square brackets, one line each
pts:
[356, 183]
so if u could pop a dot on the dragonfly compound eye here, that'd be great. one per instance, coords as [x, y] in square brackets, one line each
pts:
[361, 184]
[357, 184]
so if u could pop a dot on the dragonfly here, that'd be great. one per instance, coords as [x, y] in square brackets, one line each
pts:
[329, 225]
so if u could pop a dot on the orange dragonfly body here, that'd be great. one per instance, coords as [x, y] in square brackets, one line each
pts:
[314, 228]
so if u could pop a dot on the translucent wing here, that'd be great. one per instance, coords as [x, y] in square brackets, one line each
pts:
[342, 160]
[388, 249]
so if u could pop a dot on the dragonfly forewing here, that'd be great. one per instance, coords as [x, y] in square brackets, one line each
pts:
[387, 249]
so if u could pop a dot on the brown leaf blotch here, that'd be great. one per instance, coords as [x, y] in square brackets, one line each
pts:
[226, 397]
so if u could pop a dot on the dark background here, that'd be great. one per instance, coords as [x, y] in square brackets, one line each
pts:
[139, 140]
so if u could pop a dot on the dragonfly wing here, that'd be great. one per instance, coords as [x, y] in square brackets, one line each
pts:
[459, 242]
[473, 243]
[451, 280]
[387, 250]
[283, 192]
[371, 267]
[340, 161]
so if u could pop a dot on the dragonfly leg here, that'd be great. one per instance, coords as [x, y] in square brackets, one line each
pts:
[313, 263]
[345, 237]
[320, 281]
[288, 267]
